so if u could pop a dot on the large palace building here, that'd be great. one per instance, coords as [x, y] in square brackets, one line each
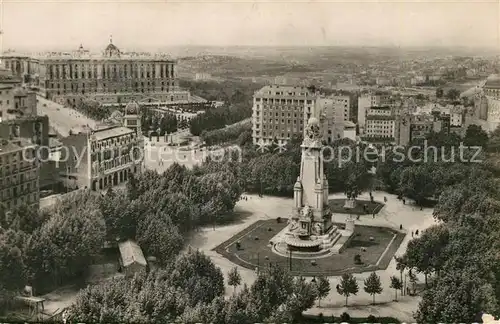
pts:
[69, 76]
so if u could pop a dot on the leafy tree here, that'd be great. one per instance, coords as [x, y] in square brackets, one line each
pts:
[12, 263]
[453, 94]
[234, 278]
[494, 140]
[396, 284]
[416, 182]
[323, 288]
[457, 296]
[195, 272]
[159, 237]
[302, 297]
[373, 286]
[413, 280]
[475, 136]
[348, 286]
[401, 265]
[356, 179]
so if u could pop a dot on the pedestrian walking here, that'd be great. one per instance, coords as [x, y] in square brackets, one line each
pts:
[404, 202]
[411, 233]
[373, 215]
[385, 199]
[416, 232]
[401, 227]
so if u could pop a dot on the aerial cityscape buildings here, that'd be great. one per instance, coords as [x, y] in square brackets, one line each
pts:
[247, 184]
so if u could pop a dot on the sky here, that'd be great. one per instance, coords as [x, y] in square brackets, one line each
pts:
[56, 24]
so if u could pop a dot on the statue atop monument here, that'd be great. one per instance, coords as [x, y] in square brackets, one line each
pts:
[313, 133]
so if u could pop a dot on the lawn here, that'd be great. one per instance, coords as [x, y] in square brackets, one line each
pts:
[337, 206]
[255, 250]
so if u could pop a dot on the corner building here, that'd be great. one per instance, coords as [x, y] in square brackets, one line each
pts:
[19, 178]
[279, 112]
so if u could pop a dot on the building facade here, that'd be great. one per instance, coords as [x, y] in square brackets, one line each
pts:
[411, 127]
[280, 112]
[104, 157]
[366, 101]
[81, 73]
[380, 124]
[34, 129]
[18, 174]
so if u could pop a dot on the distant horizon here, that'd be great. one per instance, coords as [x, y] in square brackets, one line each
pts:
[44, 25]
[155, 48]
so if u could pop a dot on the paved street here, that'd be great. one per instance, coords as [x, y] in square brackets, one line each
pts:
[63, 119]
[392, 215]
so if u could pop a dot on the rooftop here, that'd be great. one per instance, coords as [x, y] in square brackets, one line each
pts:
[283, 90]
[377, 117]
[110, 131]
[131, 253]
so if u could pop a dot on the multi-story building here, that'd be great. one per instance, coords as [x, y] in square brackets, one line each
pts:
[73, 75]
[280, 112]
[411, 127]
[366, 101]
[104, 157]
[19, 184]
[334, 114]
[380, 124]
[7, 85]
[36, 130]
[345, 103]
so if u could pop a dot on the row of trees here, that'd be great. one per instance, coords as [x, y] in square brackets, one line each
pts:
[93, 109]
[237, 96]
[191, 290]
[461, 251]
[48, 248]
[219, 118]
[161, 124]
[241, 134]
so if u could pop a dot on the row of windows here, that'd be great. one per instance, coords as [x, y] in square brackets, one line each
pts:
[288, 135]
[22, 201]
[275, 108]
[92, 86]
[9, 179]
[66, 71]
[116, 162]
[277, 114]
[6, 159]
[288, 121]
[122, 140]
[13, 192]
[283, 101]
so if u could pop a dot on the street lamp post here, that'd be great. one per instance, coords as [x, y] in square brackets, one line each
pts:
[290, 257]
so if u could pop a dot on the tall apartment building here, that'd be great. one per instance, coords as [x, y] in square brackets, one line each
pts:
[104, 157]
[18, 174]
[7, 85]
[280, 112]
[380, 124]
[80, 73]
[334, 115]
[36, 130]
[366, 101]
[345, 103]
[411, 127]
